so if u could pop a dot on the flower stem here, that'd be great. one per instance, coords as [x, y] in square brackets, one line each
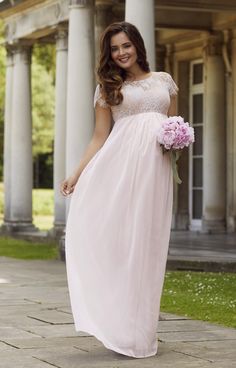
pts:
[175, 154]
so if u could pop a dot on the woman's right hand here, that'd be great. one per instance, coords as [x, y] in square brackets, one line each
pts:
[68, 185]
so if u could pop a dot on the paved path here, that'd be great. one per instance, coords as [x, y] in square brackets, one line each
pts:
[202, 252]
[188, 250]
[36, 328]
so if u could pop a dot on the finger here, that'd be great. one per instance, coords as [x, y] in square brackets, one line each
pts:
[68, 190]
[62, 186]
[63, 191]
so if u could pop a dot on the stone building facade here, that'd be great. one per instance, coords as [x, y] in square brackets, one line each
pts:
[193, 40]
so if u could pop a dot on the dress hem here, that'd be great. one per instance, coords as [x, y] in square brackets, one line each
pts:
[116, 349]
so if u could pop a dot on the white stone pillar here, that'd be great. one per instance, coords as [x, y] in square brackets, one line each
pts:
[7, 138]
[142, 15]
[103, 17]
[60, 130]
[80, 87]
[21, 142]
[214, 163]
[231, 143]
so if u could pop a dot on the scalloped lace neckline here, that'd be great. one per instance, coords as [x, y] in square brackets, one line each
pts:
[139, 80]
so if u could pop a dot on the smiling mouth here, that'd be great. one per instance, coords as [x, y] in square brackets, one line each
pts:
[124, 60]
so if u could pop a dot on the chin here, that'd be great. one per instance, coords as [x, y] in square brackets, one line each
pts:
[127, 66]
[124, 67]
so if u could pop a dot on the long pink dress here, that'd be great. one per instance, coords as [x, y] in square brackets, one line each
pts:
[119, 222]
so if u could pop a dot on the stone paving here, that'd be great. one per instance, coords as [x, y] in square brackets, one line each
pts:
[202, 252]
[36, 328]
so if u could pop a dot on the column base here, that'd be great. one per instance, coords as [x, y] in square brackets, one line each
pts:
[213, 226]
[57, 231]
[231, 224]
[62, 248]
[12, 227]
[181, 221]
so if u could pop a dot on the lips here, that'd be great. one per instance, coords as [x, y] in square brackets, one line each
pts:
[124, 59]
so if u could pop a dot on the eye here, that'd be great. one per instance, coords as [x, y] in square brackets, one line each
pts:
[127, 46]
[113, 49]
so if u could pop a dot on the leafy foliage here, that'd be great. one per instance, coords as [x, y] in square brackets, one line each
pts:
[42, 108]
[2, 95]
[45, 55]
[43, 81]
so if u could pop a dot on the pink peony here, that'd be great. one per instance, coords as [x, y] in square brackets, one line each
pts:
[168, 138]
[173, 135]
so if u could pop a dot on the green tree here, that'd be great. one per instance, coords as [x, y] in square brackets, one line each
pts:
[43, 80]
[2, 95]
[42, 108]
[45, 55]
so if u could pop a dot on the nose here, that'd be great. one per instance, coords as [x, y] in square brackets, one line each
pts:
[121, 51]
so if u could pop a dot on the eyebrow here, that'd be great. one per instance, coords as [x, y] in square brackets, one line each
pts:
[123, 44]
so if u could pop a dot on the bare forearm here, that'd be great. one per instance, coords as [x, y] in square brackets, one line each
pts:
[173, 106]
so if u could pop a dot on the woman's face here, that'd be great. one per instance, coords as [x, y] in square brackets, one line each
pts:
[123, 52]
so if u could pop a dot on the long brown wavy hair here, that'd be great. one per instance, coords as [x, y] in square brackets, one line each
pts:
[110, 75]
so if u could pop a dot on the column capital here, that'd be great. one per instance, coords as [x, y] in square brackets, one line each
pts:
[22, 52]
[81, 3]
[61, 40]
[213, 45]
[104, 4]
[9, 59]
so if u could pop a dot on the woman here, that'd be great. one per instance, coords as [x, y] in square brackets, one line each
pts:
[119, 221]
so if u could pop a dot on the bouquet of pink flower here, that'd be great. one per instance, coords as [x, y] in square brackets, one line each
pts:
[173, 135]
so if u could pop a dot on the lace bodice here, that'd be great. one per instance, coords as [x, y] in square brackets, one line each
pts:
[147, 95]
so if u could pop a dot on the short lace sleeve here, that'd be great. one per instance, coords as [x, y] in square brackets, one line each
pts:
[98, 98]
[173, 89]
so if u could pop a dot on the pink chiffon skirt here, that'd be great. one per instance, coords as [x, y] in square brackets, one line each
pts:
[117, 238]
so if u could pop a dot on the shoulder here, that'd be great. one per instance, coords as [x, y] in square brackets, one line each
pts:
[163, 75]
[168, 80]
[98, 97]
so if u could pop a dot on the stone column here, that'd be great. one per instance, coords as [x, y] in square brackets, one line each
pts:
[21, 142]
[142, 15]
[80, 87]
[231, 142]
[103, 16]
[60, 130]
[7, 138]
[214, 163]
[181, 192]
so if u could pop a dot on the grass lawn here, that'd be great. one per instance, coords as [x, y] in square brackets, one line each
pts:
[22, 249]
[42, 207]
[201, 295]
